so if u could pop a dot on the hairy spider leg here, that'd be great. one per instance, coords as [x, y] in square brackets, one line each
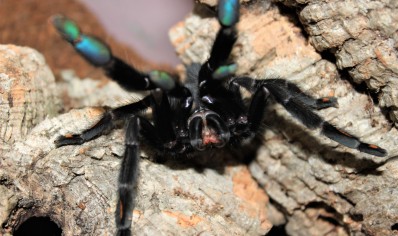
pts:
[215, 67]
[257, 108]
[162, 117]
[99, 54]
[296, 92]
[138, 128]
[105, 124]
[163, 135]
[128, 177]
[300, 106]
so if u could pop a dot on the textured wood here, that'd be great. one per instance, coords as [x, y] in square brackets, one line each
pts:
[76, 185]
[320, 187]
[317, 187]
[363, 36]
[27, 92]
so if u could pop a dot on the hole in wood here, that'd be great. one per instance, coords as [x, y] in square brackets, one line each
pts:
[277, 231]
[43, 226]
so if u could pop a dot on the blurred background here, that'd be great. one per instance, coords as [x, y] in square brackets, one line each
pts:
[142, 24]
[136, 30]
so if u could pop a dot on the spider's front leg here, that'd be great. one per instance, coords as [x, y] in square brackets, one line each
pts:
[300, 106]
[215, 67]
[99, 54]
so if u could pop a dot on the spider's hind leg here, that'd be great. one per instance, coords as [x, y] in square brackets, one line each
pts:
[301, 106]
[294, 91]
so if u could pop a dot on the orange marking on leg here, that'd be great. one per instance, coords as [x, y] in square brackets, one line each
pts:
[345, 133]
[121, 210]
[68, 135]
[325, 99]
[373, 146]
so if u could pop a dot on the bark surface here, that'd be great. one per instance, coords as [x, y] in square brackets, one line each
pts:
[320, 187]
[316, 186]
[76, 185]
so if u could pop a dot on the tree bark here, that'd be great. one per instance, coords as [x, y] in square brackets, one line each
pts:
[76, 185]
[320, 187]
[363, 36]
[316, 186]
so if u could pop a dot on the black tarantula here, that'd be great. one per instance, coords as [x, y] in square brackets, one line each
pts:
[207, 111]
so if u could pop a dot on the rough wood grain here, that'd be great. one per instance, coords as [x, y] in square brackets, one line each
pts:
[320, 187]
[363, 37]
[316, 186]
[76, 185]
